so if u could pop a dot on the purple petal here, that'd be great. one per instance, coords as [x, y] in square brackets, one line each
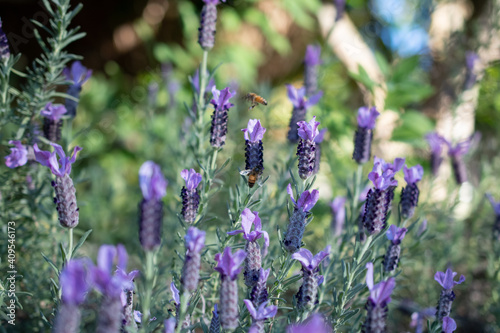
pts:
[265, 312]
[313, 55]
[314, 324]
[73, 281]
[435, 142]
[137, 316]
[320, 137]
[18, 156]
[367, 117]
[175, 293]
[304, 256]
[247, 220]
[122, 257]
[449, 325]
[320, 256]
[192, 178]
[308, 131]
[381, 292]
[53, 112]
[413, 174]
[313, 100]
[169, 325]
[254, 131]
[293, 95]
[369, 275]
[290, 193]
[105, 257]
[396, 234]
[153, 184]
[195, 240]
[308, 199]
[229, 264]
[251, 308]
[266, 243]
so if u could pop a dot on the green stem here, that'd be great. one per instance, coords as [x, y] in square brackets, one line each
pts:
[70, 247]
[146, 304]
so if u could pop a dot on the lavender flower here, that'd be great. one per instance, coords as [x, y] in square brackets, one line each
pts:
[190, 195]
[254, 150]
[111, 286]
[297, 223]
[306, 150]
[362, 198]
[447, 295]
[376, 306]
[435, 142]
[410, 193]
[391, 259]
[457, 153]
[215, 322]
[380, 197]
[259, 293]
[338, 214]
[4, 45]
[154, 187]
[340, 6]
[207, 24]
[260, 314]
[311, 61]
[306, 297]
[74, 285]
[52, 121]
[228, 265]
[253, 260]
[316, 323]
[471, 59]
[65, 199]
[496, 209]
[221, 104]
[418, 319]
[195, 241]
[317, 158]
[300, 106]
[169, 325]
[177, 302]
[18, 156]
[78, 75]
[449, 325]
[364, 134]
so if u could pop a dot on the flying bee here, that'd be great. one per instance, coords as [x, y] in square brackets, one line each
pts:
[255, 99]
[253, 175]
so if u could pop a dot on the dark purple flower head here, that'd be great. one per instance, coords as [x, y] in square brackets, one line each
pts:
[314, 324]
[263, 312]
[494, 204]
[153, 184]
[176, 296]
[395, 234]
[102, 278]
[449, 325]
[78, 73]
[381, 292]
[307, 260]
[320, 137]
[73, 281]
[307, 199]
[308, 130]
[413, 174]
[446, 279]
[298, 97]
[367, 117]
[254, 131]
[221, 98]
[195, 82]
[192, 178]
[436, 142]
[53, 112]
[48, 159]
[247, 220]
[18, 156]
[382, 180]
[471, 58]
[313, 55]
[394, 167]
[195, 240]
[229, 264]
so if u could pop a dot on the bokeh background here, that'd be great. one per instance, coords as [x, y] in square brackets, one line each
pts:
[413, 68]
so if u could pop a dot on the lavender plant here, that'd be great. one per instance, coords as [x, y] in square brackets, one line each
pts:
[446, 280]
[391, 259]
[410, 193]
[364, 134]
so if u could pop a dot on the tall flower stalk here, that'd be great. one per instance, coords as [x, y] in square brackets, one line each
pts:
[190, 195]
[306, 150]
[364, 134]
[446, 280]
[254, 149]
[391, 259]
[376, 306]
[410, 193]
[195, 241]
[221, 104]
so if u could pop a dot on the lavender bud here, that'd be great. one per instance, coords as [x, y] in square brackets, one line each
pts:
[4, 45]
[253, 264]
[150, 224]
[208, 20]
[306, 150]
[228, 303]
[409, 200]
[190, 203]
[52, 129]
[444, 304]
[68, 319]
[362, 145]
[110, 315]
[254, 155]
[376, 318]
[307, 294]
[215, 322]
[391, 258]
[221, 104]
[259, 293]
[65, 201]
[295, 232]
[376, 209]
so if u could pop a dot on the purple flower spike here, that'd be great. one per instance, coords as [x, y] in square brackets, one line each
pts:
[316, 323]
[49, 159]
[153, 184]
[307, 199]
[395, 234]
[298, 97]
[313, 55]
[18, 156]
[449, 325]
[53, 112]
[254, 131]
[394, 167]
[367, 117]
[192, 178]
[4, 45]
[73, 281]
[78, 73]
[413, 174]
[195, 240]
[228, 264]
[380, 294]
[220, 101]
[310, 263]
[338, 211]
[308, 131]
[446, 279]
